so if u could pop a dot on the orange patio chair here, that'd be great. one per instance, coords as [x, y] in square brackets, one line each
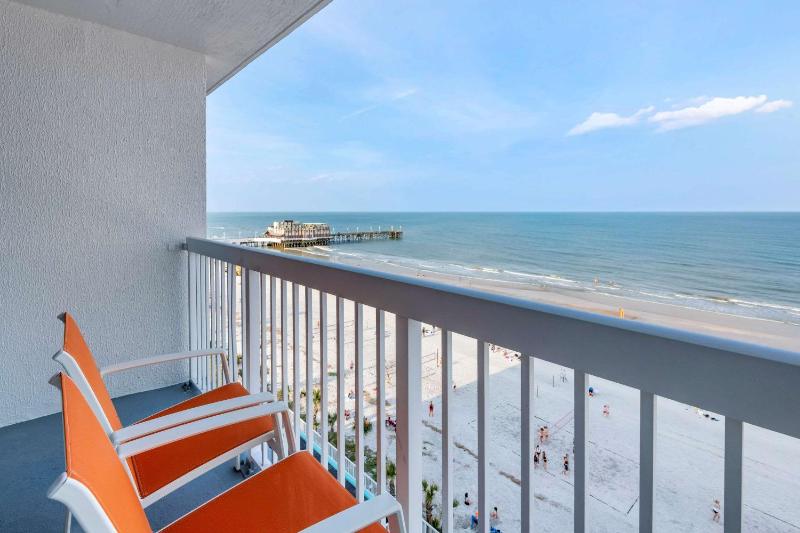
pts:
[160, 471]
[296, 494]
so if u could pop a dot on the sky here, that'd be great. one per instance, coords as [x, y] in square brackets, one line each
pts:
[516, 106]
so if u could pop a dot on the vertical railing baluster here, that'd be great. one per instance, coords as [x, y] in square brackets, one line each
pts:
[220, 318]
[527, 395]
[409, 421]
[732, 500]
[273, 339]
[232, 320]
[284, 343]
[296, 362]
[206, 345]
[580, 492]
[359, 392]
[647, 455]
[224, 312]
[380, 382]
[323, 376]
[253, 329]
[263, 346]
[243, 325]
[212, 281]
[340, 398]
[483, 436]
[192, 309]
[447, 434]
[310, 370]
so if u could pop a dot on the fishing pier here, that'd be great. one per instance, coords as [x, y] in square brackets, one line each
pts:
[291, 234]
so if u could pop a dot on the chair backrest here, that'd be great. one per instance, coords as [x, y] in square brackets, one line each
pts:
[78, 362]
[95, 487]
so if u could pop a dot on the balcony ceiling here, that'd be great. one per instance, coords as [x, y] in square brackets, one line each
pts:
[230, 33]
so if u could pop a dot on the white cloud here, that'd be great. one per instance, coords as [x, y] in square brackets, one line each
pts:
[600, 121]
[713, 109]
[774, 105]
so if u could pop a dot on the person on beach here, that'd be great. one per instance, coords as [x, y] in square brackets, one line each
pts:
[566, 464]
[430, 409]
[473, 522]
[541, 433]
[536, 456]
[466, 499]
[605, 410]
[716, 511]
[544, 459]
[591, 392]
[546, 434]
[494, 514]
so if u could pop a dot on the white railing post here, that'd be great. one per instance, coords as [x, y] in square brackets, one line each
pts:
[232, 322]
[580, 452]
[340, 397]
[359, 407]
[323, 377]
[273, 338]
[309, 369]
[252, 290]
[447, 434]
[483, 437]
[263, 297]
[284, 342]
[528, 438]
[296, 363]
[647, 459]
[732, 501]
[409, 421]
[192, 303]
[380, 383]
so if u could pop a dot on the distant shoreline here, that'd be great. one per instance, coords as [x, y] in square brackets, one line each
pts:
[773, 333]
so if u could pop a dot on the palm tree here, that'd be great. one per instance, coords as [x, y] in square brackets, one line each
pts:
[316, 398]
[391, 474]
[429, 490]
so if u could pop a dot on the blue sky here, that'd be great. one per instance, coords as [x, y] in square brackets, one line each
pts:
[516, 106]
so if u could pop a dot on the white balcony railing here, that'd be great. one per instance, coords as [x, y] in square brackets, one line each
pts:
[745, 383]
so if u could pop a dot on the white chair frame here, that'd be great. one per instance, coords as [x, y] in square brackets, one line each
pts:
[83, 505]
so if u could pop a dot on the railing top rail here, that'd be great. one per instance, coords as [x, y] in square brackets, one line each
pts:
[747, 381]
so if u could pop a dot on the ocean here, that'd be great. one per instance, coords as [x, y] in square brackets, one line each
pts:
[736, 263]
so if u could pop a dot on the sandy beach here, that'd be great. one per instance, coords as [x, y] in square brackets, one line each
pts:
[689, 445]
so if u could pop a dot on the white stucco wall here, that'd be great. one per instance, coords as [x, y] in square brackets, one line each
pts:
[102, 167]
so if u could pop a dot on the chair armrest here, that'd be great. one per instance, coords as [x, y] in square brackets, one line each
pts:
[154, 440]
[360, 516]
[161, 423]
[158, 359]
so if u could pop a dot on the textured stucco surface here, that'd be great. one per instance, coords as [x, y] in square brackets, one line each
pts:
[230, 33]
[102, 167]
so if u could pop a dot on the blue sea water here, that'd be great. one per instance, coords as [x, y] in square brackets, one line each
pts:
[738, 263]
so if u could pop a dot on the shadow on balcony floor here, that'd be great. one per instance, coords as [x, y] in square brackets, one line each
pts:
[32, 457]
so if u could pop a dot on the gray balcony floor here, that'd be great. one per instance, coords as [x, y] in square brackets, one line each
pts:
[32, 457]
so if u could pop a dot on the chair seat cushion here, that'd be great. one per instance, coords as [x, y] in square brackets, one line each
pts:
[158, 467]
[287, 497]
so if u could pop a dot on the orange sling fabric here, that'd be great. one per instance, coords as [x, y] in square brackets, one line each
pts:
[92, 461]
[79, 350]
[285, 498]
[156, 468]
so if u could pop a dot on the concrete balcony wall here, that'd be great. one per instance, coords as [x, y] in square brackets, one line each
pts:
[102, 169]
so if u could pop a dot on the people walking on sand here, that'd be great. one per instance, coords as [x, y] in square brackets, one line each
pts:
[716, 511]
[546, 434]
[467, 501]
[566, 464]
[495, 514]
[473, 521]
[544, 459]
[606, 410]
[536, 456]
[430, 408]
[541, 433]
